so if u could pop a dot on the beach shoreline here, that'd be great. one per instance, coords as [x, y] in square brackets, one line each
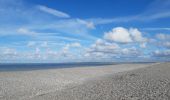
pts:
[40, 84]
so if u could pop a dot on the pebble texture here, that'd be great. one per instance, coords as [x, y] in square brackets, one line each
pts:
[27, 85]
[151, 83]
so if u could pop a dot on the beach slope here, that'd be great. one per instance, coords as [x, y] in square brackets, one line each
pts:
[111, 82]
[150, 83]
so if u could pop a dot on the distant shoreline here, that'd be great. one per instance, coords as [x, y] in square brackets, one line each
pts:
[43, 66]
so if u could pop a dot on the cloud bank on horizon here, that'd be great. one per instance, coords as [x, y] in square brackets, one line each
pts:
[79, 31]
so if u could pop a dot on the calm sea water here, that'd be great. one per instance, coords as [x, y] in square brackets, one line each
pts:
[40, 66]
[37, 66]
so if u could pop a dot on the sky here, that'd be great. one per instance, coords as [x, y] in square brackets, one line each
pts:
[54, 31]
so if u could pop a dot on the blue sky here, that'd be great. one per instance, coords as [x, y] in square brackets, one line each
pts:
[84, 30]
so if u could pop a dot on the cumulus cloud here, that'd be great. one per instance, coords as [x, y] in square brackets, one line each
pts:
[164, 53]
[53, 11]
[103, 46]
[163, 36]
[99, 49]
[37, 50]
[163, 40]
[143, 45]
[8, 53]
[137, 35]
[111, 50]
[130, 52]
[65, 51]
[36, 54]
[118, 34]
[93, 55]
[123, 35]
[104, 49]
[166, 44]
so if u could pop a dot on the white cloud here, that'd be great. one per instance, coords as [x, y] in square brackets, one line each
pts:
[71, 45]
[156, 29]
[45, 36]
[75, 44]
[88, 24]
[109, 49]
[130, 52]
[8, 53]
[166, 44]
[65, 51]
[103, 46]
[37, 50]
[137, 35]
[143, 45]
[25, 31]
[31, 44]
[53, 11]
[75, 27]
[118, 34]
[105, 50]
[37, 53]
[158, 15]
[165, 53]
[102, 49]
[44, 44]
[37, 18]
[163, 40]
[123, 35]
[94, 55]
[163, 36]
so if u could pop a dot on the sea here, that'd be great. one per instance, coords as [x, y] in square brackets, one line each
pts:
[41, 66]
